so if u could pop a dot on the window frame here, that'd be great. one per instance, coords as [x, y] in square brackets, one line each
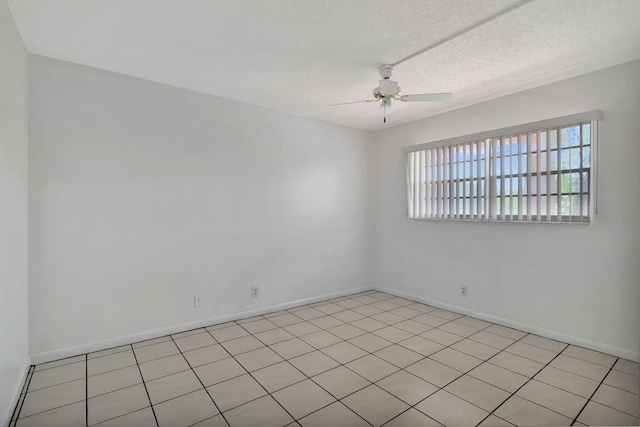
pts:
[417, 198]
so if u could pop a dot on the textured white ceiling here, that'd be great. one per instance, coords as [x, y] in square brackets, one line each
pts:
[299, 56]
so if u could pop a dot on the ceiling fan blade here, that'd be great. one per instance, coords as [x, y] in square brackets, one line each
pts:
[427, 97]
[352, 102]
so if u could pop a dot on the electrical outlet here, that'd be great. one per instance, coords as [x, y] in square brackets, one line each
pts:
[464, 291]
[197, 301]
[254, 292]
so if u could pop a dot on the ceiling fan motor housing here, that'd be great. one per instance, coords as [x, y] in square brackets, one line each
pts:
[385, 71]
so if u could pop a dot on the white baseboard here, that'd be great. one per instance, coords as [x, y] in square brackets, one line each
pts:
[547, 333]
[156, 333]
[129, 339]
[15, 396]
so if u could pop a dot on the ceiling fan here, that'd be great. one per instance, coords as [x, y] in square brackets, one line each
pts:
[389, 90]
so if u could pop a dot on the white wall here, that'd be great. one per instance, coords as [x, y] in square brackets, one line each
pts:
[13, 212]
[144, 195]
[580, 283]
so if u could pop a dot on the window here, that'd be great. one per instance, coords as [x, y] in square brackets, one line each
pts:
[537, 172]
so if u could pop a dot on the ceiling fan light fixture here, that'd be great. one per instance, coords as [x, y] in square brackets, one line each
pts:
[388, 87]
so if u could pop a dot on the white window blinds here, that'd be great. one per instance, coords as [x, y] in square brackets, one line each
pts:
[536, 172]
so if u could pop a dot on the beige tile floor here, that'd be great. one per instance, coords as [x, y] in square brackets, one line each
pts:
[366, 359]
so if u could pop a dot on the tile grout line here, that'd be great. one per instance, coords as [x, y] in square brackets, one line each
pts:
[525, 383]
[343, 340]
[340, 364]
[417, 361]
[50, 409]
[145, 386]
[423, 358]
[505, 349]
[200, 381]
[589, 398]
[86, 390]
[258, 382]
[148, 343]
[511, 394]
[372, 354]
[272, 364]
[61, 365]
[25, 387]
[459, 376]
[488, 361]
[307, 377]
[46, 410]
[77, 379]
[594, 393]
[101, 373]
[104, 355]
